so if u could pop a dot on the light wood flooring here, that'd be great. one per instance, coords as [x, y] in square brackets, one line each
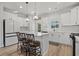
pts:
[54, 50]
[59, 50]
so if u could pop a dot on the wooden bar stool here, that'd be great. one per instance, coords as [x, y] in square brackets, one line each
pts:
[35, 48]
[21, 39]
[25, 42]
[28, 44]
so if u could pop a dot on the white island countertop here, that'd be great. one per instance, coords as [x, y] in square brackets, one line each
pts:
[40, 34]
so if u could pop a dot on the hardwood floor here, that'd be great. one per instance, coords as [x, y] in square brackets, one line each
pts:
[59, 50]
[54, 50]
[9, 51]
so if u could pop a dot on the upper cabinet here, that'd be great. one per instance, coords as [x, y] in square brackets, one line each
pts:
[9, 26]
[74, 16]
[71, 17]
[78, 15]
[65, 18]
[13, 22]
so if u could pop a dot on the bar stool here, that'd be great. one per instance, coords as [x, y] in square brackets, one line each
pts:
[21, 40]
[35, 48]
[29, 45]
[24, 45]
[29, 39]
[26, 40]
[24, 48]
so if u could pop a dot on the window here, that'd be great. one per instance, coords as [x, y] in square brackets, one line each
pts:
[39, 27]
[54, 24]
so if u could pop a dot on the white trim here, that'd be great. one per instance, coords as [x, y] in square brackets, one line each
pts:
[44, 54]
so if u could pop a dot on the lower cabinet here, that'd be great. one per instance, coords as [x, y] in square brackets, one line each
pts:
[44, 43]
[16, 26]
[1, 38]
[60, 38]
[1, 42]
[77, 48]
[11, 41]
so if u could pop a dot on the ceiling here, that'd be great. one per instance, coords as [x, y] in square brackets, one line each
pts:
[38, 7]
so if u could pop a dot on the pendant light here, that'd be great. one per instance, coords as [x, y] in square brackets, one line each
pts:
[27, 19]
[35, 17]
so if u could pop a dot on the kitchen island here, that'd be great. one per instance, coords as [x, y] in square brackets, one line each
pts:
[43, 38]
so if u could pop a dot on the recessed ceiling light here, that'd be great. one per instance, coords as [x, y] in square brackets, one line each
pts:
[58, 2]
[27, 19]
[32, 12]
[21, 7]
[49, 9]
[15, 11]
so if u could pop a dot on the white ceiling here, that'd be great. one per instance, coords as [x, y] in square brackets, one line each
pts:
[39, 7]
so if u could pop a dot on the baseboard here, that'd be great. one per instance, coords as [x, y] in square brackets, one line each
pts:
[9, 45]
[57, 43]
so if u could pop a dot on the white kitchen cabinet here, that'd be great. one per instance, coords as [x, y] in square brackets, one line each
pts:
[9, 26]
[78, 16]
[44, 41]
[1, 24]
[25, 27]
[74, 16]
[77, 49]
[16, 26]
[11, 40]
[13, 22]
[1, 40]
[1, 34]
[71, 17]
[66, 18]
[25, 23]
[62, 19]
[60, 38]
